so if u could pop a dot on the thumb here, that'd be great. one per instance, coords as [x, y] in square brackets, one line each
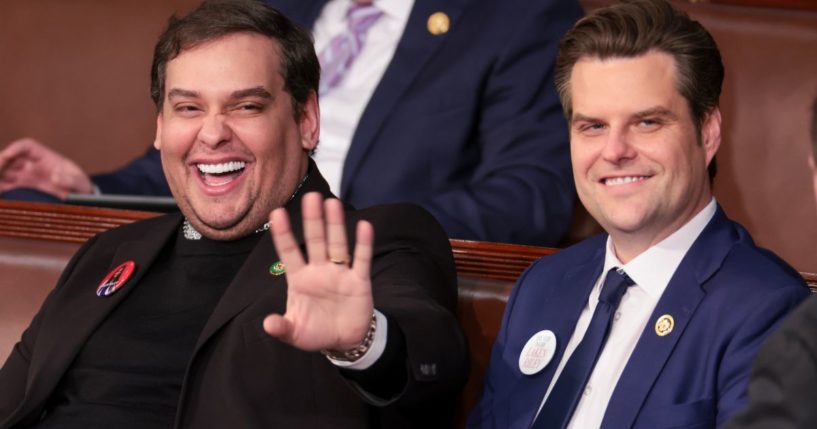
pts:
[278, 326]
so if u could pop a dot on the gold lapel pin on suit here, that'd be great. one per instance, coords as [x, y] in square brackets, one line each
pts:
[664, 325]
[438, 23]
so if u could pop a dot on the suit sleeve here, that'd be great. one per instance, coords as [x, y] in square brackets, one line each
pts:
[522, 190]
[733, 379]
[14, 373]
[414, 285]
[142, 176]
[486, 414]
[783, 382]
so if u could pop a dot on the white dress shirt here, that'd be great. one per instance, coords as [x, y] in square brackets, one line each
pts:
[342, 106]
[631, 317]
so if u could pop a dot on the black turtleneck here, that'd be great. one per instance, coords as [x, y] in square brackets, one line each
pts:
[129, 372]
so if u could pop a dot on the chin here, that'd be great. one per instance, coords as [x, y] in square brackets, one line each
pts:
[625, 223]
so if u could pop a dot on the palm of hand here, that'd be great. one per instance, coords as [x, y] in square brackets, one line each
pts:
[329, 303]
[328, 306]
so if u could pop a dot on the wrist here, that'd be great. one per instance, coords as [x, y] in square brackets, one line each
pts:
[355, 353]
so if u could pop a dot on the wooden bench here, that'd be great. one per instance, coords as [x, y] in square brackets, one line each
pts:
[36, 241]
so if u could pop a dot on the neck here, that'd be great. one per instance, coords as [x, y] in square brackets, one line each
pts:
[629, 244]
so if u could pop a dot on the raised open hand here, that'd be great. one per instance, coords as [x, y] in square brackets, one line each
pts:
[329, 302]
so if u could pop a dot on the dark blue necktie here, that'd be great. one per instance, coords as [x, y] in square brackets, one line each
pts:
[565, 395]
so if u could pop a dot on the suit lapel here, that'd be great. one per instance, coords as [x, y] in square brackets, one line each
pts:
[413, 51]
[254, 278]
[63, 333]
[575, 287]
[567, 299]
[682, 296]
[252, 281]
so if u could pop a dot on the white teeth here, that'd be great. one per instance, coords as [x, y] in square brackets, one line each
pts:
[222, 168]
[622, 180]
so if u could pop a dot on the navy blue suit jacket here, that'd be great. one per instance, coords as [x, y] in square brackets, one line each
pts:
[467, 124]
[726, 297]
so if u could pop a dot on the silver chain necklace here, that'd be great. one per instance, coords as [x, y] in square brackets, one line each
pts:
[190, 233]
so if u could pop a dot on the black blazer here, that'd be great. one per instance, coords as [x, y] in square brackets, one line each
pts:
[783, 385]
[240, 377]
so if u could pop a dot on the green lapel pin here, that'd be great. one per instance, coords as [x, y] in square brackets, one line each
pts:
[277, 268]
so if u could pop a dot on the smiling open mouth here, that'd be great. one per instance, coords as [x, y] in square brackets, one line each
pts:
[220, 174]
[615, 181]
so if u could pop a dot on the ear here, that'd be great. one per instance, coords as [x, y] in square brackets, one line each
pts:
[157, 142]
[711, 133]
[310, 122]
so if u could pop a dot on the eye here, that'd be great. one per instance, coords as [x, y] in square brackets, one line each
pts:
[249, 107]
[591, 128]
[649, 124]
[185, 109]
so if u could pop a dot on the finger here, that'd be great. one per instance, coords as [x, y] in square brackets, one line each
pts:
[314, 232]
[335, 230]
[363, 249]
[12, 156]
[284, 241]
[278, 327]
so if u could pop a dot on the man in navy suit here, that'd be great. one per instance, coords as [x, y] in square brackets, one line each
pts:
[463, 119]
[655, 323]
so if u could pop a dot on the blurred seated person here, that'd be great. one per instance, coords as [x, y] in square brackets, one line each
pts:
[32, 171]
[447, 104]
[213, 317]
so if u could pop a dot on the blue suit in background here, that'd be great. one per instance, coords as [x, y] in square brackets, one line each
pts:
[467, 124]
[726, 297]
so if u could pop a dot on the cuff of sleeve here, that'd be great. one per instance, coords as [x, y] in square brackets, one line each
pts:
[375, 350]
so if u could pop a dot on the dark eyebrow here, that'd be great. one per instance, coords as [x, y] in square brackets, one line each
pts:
[656, 111]
[579, 117]
[257, 91]
[175, 92]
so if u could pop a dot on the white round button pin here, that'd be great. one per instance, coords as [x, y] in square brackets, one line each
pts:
[538, 352]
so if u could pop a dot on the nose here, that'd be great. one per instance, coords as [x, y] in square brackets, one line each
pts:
[617, 147]
[214, 130]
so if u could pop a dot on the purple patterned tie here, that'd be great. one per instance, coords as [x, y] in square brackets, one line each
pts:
[338, 55]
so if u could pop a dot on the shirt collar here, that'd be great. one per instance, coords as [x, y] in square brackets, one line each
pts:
[667, 254]
[398, 9]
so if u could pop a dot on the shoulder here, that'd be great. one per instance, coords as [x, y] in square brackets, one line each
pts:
[747, 267]
[726, 261]
[757, 287]
[406, 229]
[399, 221]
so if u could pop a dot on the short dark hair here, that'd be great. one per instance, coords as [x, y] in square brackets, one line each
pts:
[214, 19]
[635, 27]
